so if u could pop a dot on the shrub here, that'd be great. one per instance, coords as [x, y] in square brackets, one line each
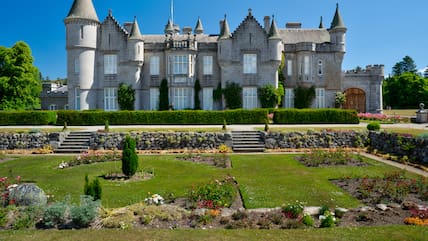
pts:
[303, 96]
[315, 116]
[233, 95]
[197, 90]
[125, 97]
[129, 157]
[55, 215]
[308, 220]
[93, 188]
[293, 210]
[164, 95]
[84, 214]
[26, 217]
[327, 220]
[27, 117]
[214, 195]
[373, 126]
[106, 126]
[268, 96]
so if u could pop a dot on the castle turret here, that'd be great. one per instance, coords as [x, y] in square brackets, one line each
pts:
[275, 42]
[338, 31]
[136, 44]
[82, 26]
[199, 29]
[224, 42]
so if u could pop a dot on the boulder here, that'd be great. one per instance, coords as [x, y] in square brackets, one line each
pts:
[28, 195]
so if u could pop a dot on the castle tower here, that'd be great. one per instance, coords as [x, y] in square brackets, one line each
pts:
[199, 29]
[276, 47]
[338, 31]
[82, 26]
[136, 59]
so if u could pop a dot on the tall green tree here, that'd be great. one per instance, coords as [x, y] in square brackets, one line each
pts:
[269, 96]
[404, 66]
[405, 91]
[126, 97]
[197, 91]
[20, 85]
[233, 95]
[129, 157]
[164, 95]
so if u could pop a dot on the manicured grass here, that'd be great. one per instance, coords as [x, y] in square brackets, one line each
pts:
[401, 112]
[28, 130]
[273, 180]
[305, 129]
[184, 129]
[391, 233]
[265, 180]
[414, 132]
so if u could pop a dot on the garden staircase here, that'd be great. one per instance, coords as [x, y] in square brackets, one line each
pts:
[75, 142]
[247, 141]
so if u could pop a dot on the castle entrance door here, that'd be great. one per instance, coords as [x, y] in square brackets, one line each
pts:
[355, 99]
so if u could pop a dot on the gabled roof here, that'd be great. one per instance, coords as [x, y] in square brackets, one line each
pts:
[199, 29]
[337, 22]
[82, 9]
[225, 30]
[135, 31]
[250, 18]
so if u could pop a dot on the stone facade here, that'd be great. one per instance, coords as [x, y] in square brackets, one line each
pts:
[54, 96]
[101, 55]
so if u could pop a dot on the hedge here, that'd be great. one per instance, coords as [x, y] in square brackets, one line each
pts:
[185, 117]
[27, 118]
[315, 116]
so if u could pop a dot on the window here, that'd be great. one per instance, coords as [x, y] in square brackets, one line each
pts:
[207, 98]
[208, 65]
[154, 99]
[110, 99]
[180, 64]
[307, 66]
[66, 107]
[250, 98]
[110, 64]
[77, 98]
[53, 107]
[182, 98]
[320, 68]
[76, 65]
[289, 68]
[289, 98]
[320, 98]
[250, 63]
[154, 65]
[82, 33]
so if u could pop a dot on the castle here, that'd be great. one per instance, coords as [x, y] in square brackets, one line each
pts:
[101, 55]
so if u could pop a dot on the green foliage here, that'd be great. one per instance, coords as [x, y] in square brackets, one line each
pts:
[218, 93]
[224, 127]
[106, 126]
[303, 96]
[407, 65]
[84, 214]
[293, 210]
[129, 157]
[26, 217]
[405, 91]
[315, 116]
[20, 85]
[197, 91]
[92, 189]
[27, 117]
[373, 126]
[214, 195]
[233, 95]
[268, 96]
[308, 220]
[328, 221]
[55, 215]
[125, 97]
[339, 99]
[257, 116]
[164, 95]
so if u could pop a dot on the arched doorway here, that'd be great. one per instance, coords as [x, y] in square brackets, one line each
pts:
[355, 99]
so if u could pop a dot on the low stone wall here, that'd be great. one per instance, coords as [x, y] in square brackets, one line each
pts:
[311, 139]
[416, 149]
[163, 140]
[11, 141]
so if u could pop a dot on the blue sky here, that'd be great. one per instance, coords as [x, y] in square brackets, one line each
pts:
[379, 32]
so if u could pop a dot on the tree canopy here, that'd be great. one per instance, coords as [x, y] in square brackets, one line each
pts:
[126, 97]
[405, 91]
[407, 65]
[20, 85]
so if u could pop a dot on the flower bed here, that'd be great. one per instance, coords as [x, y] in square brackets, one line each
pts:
[331, 157]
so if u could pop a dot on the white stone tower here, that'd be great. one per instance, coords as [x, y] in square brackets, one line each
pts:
[338, 31]
[82, 26]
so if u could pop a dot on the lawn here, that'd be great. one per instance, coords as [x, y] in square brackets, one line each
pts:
[400, 112]
[265, 180]
[392, 233]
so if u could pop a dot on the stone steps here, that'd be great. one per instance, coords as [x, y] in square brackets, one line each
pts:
[247, 141]
[75, 142]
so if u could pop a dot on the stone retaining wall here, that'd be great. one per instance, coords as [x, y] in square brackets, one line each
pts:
[11, 141]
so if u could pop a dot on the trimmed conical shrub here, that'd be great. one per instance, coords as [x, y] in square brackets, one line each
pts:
[129, 157]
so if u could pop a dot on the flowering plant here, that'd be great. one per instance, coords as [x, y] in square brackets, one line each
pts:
[154, 199]
[293, 210]
[6, 186]
[379, 117]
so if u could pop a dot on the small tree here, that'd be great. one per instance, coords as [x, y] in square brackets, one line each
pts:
[340, 99]
[303, 96]
[164, 95]
[197, 90]
[93, 188]
[267, 96]
[126, 97]
[129, 157]
[233, 95]
[106, 126]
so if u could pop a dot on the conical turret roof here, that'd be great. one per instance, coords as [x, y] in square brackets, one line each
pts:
[337, 22]
[273, 32]
[169, 28]
[199, 29]
[83, 9]
[135, 31]
[225, 30]
[321, 24]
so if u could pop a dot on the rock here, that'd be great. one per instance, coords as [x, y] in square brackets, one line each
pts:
[311, 211]
[409, 205]
[28, 195]
[382, 207]
[366, 209]
[227, 212]
[394, 205]
[199, 211]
